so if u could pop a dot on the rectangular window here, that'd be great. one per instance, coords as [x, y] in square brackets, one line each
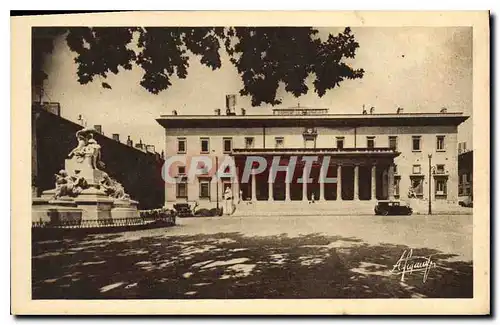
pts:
[181, 145]
[181, 170]
[440, 143]
[416, 145]
[279, 142]
[393, 142]
[441, 187]
[205, 145]
[417, 187]
[204, 189]
[439, 169]
[228, 144]
[370, 142]
[181, 190]
[395, 169]
[416, 169]
[340, 142]
[249, 142]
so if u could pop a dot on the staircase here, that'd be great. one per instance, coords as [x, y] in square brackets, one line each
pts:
[299, 208]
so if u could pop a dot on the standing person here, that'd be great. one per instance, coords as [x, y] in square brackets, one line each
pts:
[228, 201]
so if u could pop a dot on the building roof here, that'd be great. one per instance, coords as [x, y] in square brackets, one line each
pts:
[352, 120]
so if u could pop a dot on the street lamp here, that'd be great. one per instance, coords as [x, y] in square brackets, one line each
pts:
[430, 193]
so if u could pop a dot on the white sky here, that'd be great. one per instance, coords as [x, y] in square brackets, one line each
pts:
[421, 69]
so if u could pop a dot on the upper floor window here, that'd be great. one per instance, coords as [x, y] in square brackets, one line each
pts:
[340, 142]
[393, 142]
[279, 142]
[228, 144]
[416, 169]
[181, 170]
[181, 145]
[439, 169]
[370, 142]
[416, 143]
[440, 143]
[249, 142]
[205, 145]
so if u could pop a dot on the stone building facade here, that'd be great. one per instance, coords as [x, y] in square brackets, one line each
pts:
[372, 156]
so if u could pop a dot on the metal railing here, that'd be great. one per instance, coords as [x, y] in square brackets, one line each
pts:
[102, 223]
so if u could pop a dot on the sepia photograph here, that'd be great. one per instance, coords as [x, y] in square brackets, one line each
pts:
[245, 162]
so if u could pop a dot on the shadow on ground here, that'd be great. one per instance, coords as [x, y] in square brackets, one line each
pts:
[229, 265]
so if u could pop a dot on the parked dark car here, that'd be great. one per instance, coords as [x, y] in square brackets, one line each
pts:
[388, 207]
[183, 210]
[467, 202]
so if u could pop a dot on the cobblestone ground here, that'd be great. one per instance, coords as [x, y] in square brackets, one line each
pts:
[260, 257]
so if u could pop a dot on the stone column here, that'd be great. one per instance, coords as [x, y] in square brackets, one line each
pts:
[270, 186]
[339, 182]
[287, 187]
[356, 182]
[321, 184]
[304, 184]
[374, 183]
[254, 187]
[390, 186]
[236, 189]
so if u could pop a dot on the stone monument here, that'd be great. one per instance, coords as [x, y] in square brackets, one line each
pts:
[84, 194]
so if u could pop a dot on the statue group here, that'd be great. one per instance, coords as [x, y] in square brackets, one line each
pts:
[67, 185]
[87, 146]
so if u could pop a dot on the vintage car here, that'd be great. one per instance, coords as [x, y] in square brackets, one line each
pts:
[183, 210]
[467, 202]
[388, 207]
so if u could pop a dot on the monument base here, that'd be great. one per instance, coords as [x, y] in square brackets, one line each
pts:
[125, 209]
[55, 212]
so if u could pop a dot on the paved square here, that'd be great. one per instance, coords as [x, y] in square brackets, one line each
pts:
[261, 257]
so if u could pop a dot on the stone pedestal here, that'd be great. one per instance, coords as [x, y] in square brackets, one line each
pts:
[124, 209]
[83, 167]
[61, 211]
[95, 204]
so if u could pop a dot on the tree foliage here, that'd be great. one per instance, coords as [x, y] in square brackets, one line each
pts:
[264, 57]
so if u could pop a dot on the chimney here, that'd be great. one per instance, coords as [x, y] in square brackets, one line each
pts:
[98, 128]
[217, 111]
[443, 110]
[400, 110]
[130, 143]
[230, 102]
[116, 137]
[174, 112]
[140, 146]
[150, 148]
[81, 121]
